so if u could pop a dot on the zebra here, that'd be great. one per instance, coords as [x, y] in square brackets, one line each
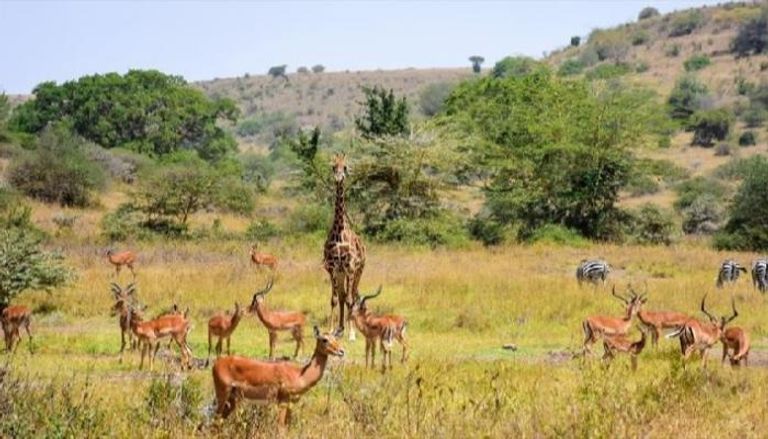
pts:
[760, 275]
[592, 271]
[729, 272]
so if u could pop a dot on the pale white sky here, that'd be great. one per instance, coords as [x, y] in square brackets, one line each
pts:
[62, 40]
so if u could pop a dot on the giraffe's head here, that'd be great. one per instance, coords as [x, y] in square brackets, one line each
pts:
[339, 167]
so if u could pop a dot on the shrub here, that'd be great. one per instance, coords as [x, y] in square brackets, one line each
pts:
[710, 125]
[640, 37]
[648, 12]
[685, 23]
[686, 97]
[432, 97]
[672, 51]
[261, 230]
[696, 62]
[310, 218]
[277, 71]
[514, 66]
[318, 68]
[123, 224]
[754, 116]
[752, 36]
[383, 114]
[555, 234]
[58, 170]
[642, 184]
[302, 70]
[698, 187]
[745, 228]
[588, 56]
[652, 225]
[608, 71]
[764, 66]
[571, 66]
[703, 216]
[486, 230]
[441, 230]
[257, 170]
[642, 67]
[610, 44]
[575, 41]
[747, 138]
[738, 168]
[170, 400]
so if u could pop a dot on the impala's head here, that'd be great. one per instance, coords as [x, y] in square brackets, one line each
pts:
[109, 252]
[123, 297]
[258, 296]
[339, 167]
[361, 306]
[722, 321]
[633, 302]
[329, 344]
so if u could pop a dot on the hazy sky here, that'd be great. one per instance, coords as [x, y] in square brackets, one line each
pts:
[63, 40]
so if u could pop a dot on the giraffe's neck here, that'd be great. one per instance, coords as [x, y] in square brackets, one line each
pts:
[339, 215]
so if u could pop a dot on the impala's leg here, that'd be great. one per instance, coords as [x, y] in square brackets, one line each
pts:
[272, 339]
[687, 351]
[703, 352]
[229, 352]
[373, 352]
[283, 415]
[404, 344]
[122, 344]
[118, 267]
[16, 339]
[725, 353]
[589, 337]
[29, 334]
[143, 347]
[297, 336]
[219, 347]
[210, 342]
[655, 334]
[133, 273]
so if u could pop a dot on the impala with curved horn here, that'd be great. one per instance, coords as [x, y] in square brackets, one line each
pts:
[276, 321]
[595, 327]
[384, 328]
[656, 321]
[280, 382]
[696, 335]
[124, 299]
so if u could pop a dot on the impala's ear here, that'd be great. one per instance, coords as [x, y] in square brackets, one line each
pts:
[317, 332]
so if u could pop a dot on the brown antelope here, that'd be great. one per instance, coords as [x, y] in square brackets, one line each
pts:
[598, 326]
[281, 382]
[222, 326]
[697, 335]
[124, 299]
[276, 321]
[619, 343]
[382, 328]
[735, 339]
[263, 259]
[12, 318]
[118, 259]
[656, 321]
[149, 333]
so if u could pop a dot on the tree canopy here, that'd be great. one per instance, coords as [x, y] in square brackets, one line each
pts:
[144, 111]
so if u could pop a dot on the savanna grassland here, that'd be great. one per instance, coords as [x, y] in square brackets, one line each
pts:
[462, 306]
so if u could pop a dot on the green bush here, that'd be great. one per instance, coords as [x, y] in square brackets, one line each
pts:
[755, 116]
[672, 51]
[643, 184]
[310, 218]
[747, 138]
[610, 44]
[169, 400]
[703, 216]
[685, 23]
[486, 230]
[432, 97]
[261, 230]
[642, 67]
[514, 66]
[258, 170]
[58, 170]
[752, 37]
[686, 97]
[571, 66]
[696, 62]
[710, 125]
[690, 190]
[640, 37]
[382, 114]
[648, 12]
[608, 71]
[652, 225]
[555, 234]
[575, 41]
[745, 229]
[123, 224]
[442, 230]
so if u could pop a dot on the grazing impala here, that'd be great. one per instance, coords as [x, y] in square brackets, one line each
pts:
[12, 318]
[280, 382]
[701, 336]
[263, 259]
[149, 334]
[656, 321]
[735, 339]
[222, 326]
[618, 343]
[276, 321]
[124, 299]
[118, 259]
[597, 326]
[382, 328]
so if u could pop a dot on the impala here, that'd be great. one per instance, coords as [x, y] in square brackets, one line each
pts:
[222, 326]
[656, 321]
[276, 321]
[280, 382]
[701, 336]
[382, 328]
[149, 334]
[124, 299]
[12, 318]
[618, 343]
[735, 339]
[597, 326]
[118, 259]
[263, 259]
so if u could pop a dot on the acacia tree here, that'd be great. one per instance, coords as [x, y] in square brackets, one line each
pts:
[477, 63]
[383, 114]
[24, 266]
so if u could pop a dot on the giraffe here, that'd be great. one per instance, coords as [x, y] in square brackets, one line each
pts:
[344, 252]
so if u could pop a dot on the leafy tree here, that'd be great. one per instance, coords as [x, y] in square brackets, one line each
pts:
[477, 63]
[710, 125]
[318, 68]
[686, 97]
[514, 66]
[552, 151]
[575, 41]
[144, 110]
[703, 217]
[24, 266]
[690, 190]
[433, 96]
[648, 12]
[652, 225]
[752, 37]
[278, 71]
[571, 66]
[383, 114]
[747, 225]
[610, 44]
[747, 138]
[685, 23]
[58, 170]
[303, 70]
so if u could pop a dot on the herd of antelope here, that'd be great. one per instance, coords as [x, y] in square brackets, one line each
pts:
[695, 335]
